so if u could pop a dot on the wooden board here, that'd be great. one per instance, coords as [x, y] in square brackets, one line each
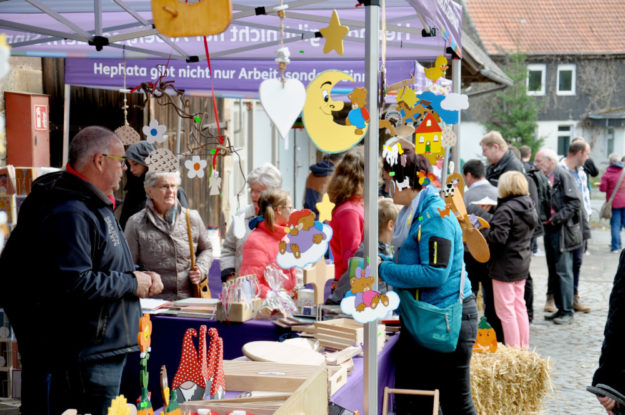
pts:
[266, 351]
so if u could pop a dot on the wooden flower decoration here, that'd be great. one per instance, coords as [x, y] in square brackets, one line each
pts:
[144, 337]
[426, 179]
[155, 132]
[195, 167]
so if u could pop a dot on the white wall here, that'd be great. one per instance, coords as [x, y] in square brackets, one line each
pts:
[470, 135]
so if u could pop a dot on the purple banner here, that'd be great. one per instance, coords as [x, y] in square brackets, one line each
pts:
[230, 77]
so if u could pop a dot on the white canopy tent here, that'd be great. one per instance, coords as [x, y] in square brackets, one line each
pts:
[415, 29]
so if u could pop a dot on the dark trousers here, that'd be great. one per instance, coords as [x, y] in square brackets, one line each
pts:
[478, 275]
[88, 387]
[528, 295]
[578, 258]
[450, 373]
[560, 266]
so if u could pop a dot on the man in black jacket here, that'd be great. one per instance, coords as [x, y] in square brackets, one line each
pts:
[500, 159]
[563, 234]
[69, 285]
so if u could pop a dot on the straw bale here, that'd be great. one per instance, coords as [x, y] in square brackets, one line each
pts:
[509, 381]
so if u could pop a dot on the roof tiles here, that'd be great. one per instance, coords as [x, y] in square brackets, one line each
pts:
[547, 27]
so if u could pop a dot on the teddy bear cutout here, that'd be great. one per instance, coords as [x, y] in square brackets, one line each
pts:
[361, 287]
[358, 116]
[303, 231]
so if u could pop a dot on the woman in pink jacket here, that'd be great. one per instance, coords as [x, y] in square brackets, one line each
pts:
[346, 191]
[608, 185]
[262, 245]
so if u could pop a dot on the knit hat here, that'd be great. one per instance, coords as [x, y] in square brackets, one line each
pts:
[189, 368]
[137, 152]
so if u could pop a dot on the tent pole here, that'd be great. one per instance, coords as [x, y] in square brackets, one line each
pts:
[178, 131]
[372, 57]
[456, 75]
[66, 103]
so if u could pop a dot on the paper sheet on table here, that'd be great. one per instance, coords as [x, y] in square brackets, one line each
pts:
[153, 304]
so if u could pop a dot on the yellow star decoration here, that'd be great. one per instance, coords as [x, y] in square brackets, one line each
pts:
[408, 95]
[334, 34]
[325, 208]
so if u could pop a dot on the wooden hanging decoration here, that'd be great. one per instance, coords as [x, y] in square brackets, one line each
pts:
[126, 133]
[334, 34]
[175, 18]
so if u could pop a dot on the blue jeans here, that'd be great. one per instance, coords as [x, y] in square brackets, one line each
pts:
[617, 222]
[560, 265]
[88, 387]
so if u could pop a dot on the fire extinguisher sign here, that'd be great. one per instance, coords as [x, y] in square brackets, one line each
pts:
[41, 117]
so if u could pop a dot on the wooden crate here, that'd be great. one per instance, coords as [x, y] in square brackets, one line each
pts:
[342, 332]
[239, 312]
[300, 389]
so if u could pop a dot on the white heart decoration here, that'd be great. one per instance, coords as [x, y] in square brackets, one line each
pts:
[283, 104]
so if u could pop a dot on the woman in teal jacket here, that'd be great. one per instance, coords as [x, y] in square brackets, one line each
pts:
[429, 257]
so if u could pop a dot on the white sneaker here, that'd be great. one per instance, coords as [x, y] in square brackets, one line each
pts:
[539, 253]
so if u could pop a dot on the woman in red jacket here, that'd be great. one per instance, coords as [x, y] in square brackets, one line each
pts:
[346, 190]
[262, 246]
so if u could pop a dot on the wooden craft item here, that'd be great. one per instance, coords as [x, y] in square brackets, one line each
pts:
[318, 275]
[170, 402]
[342, 356]
[326, 134]
[128, 135]
[303, 343]
[434, 394]
[266, 351]
[304, 389]
[283, 102]
[162, 160]
[119, 406]
[340, 333]
[188, 381]
[325, 208]
[472, 237]
[334, 34]
[175, 18]
[438, 71]
[486, 340]
[428, 139]
[337, 378]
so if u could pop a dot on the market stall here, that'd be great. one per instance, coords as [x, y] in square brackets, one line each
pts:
[414, 30]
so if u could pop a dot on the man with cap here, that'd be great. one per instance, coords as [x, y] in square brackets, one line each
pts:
[135, 176]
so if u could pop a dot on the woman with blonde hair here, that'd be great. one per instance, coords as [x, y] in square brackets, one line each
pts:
[262, 245]
[509, 238]
[346, 190]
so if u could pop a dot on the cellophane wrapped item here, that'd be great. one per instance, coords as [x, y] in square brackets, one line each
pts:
[277, 298]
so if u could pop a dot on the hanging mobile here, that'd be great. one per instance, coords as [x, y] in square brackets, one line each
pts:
[126, 133]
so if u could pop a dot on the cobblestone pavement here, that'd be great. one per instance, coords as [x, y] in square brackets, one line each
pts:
[574, 349]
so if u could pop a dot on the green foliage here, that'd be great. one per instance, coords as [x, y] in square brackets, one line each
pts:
[514, 113]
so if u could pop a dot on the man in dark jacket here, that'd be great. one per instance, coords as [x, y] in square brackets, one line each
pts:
[69, 285]
[499, 158]
[563, 234]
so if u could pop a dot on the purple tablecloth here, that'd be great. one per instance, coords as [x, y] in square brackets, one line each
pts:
[350, 396]
[167, 334]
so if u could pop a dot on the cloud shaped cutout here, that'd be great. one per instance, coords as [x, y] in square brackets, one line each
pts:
[369, 314]
[309, 257]
[455, 102]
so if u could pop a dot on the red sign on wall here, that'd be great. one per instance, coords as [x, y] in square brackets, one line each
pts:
[41, 117]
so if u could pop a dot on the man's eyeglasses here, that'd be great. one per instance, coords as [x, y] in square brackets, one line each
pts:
[122, 160]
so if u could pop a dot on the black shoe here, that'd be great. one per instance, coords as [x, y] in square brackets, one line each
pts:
[564, 319]
[550, 317]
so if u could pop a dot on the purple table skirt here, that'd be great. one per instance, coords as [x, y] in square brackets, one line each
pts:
[167, 334]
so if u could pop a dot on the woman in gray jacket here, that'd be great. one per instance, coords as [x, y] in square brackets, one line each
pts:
[159, 240]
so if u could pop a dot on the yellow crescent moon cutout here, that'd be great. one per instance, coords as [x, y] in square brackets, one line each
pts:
[327, 135]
